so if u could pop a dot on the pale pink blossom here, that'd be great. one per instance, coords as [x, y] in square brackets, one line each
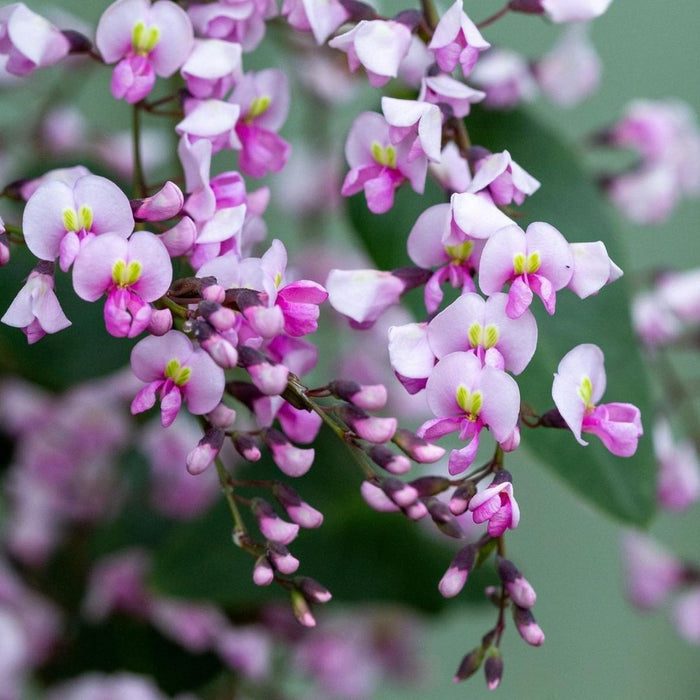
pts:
[505, 77]
[321, 17]
[593, 268]
[678, 477]
[499, 175]
[212, 68]
[443, 90]
[497, 505]
[686, 615]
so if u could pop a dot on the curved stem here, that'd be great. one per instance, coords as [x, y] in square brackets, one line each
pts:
[494, 17]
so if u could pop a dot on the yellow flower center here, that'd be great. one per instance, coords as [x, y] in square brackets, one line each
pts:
[529, 264]
[124, 275]
[179, 374]
[460, 252]
[258, 106]
[480, 336]
[585, 391]
[80, 220]
[144, 38]
[384, 155]
[470, 402]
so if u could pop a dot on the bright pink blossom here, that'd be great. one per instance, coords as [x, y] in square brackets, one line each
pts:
[497, 505]
[504, 180]
[420, 122]
[131, 272]
[147, 40]
[60, 218]
[579, 383]
[213, 120]
[538, 261]
[174, 369]
[29, 40]
[212, 68]
[457, 40]
[468, 397]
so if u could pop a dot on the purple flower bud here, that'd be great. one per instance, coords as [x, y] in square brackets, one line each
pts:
[220, 317]
[518, 587]
[222, 417]
[214, 293]
[163, 205]
[443, 518]
[400, 493]
[461, 496]
[370, 397]
[416, 448]
[4, 247]
[386, 459]
[263, 573]
[370, 428]
[281, 558]
[246, 447]
[205, 452]
[161, 322]
[301, 610]
[377, 499]
[271, 525]
[293, 461]
[312, 590]
[528, 628]
[493, 668]
[470, 664]
[416, 510]
[300, 512]
[456, 575]
[430, 485]
[270, 379]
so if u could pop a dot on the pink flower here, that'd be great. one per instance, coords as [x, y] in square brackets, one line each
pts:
[457, 40]
[29, 40]
[562, 10]
[213, 120]
[212, 68]
[678, 478]
[35, 309]
[497, 505]
[322, 17]
[444, 90]
[593, 268]
[147, 40]
[538, 261]
[686, 615]
[500, 176]
[578, 385]
[60, 218]
[420, 122]
[378, 45]
[377, 165]
[468, 397]
[132, 272]
[173, 368]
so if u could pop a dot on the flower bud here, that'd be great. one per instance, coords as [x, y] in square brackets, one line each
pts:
[416, 448]
[527, 626]
[416, 510]
[443, 518]
[388, 460]
[456, 575]
[179, 240]
[222, 417]
[263, 573]
[377, 499]
[161, 322]
[281, 558]
[293, 461]
[493, 668]
[370, 397]
[299, 512]
[206, 451]
[430, 485]
[518, 587]
[271, 525]
[461, 496]
[312, 590]
[470, 664]
[400, 493]
[269, 378]
[371, 428]
[4, 247]
[163, 205]
[214, 293]
[301, 610]
[246, 447]
[220, 317]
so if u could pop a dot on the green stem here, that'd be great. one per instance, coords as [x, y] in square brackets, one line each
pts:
[239, 526]
[430, 13]
[494, 17]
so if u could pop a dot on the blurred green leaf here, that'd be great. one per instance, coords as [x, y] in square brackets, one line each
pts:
[569, 200]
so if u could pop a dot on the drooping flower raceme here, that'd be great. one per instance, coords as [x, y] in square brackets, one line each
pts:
[59, 218]
[174, 369]
[468, 397]
[147, 40]
[132, 272]
[579, 383]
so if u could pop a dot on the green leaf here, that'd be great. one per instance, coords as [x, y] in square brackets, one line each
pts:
[569, 200]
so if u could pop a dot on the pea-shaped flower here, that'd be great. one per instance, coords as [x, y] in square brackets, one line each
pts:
[468, 397]
[131, 272]
[174, 369]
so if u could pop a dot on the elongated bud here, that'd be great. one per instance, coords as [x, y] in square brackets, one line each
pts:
[281, 558]
[293, 461]
[371, 428]
[4, 247]
[161, 322]
[470, 664]
[263, 573]
[416, 510]
[430, 485]
[222, 417]
[456, 575]
[301, 609]
[312, 590]
[493, 668]
[214, 293]
[553, 419]
[205, 452]
[416, 448]
[271, 525]
[163, 205]
[217, 347]
[518, 587]
[400, 493]
[221, 318]
[246, 447]
[271, 379]
[386, 459]
[377, 499]
[461, 496]
[370, 397]
[443, 518]
[299, 511]
[527, 626]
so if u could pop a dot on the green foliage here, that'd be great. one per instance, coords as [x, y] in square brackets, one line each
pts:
[569, 200]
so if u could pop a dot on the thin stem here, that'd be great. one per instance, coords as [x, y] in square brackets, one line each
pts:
[430, 14]
[139, 179]
[494, 17]
[227, 488]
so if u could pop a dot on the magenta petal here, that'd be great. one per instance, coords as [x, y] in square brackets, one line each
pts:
[519, 298]
[146, 398]
[92, 270]
[460, 460]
